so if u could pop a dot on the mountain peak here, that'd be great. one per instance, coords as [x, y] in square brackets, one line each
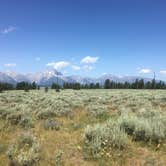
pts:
[52, 72]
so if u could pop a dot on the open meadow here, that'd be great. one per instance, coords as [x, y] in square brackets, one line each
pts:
[83, 128]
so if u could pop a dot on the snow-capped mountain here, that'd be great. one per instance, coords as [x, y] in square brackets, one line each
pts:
[81, 80]
[43, 76]
[121, 79]
[5, 78]
[17, 76]
[48, 77]
[111, 77]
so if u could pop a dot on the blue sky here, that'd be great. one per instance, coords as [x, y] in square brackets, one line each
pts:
[86, 37]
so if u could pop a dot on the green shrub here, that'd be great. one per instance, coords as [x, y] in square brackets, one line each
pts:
[143, 129]
[27, 121]
[147, 113]
[58, 158]
[98, 111]
[107, 135]
[25, 151]
[128, 123]
[75, 126]
[51, 124]
[157, 134]
[14, 118]
[4, 113]
[117, 136]
[46, 114]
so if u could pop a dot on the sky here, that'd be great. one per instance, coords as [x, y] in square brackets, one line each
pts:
[84, 37]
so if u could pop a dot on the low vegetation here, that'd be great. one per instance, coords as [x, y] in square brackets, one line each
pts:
[101, 138]
[85, 127]
[51, 124]
[25, 151]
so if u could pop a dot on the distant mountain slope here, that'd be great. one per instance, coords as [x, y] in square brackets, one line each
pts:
[121, 79]
[81, 80]
[17, 76]
[5, 78]
[48, 77]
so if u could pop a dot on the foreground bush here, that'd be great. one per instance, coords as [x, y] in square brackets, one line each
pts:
[51, 124]
[25, 151]
[114, 133]
[144, 129]
[18, 118]
[27, 121]
[14, 118]
[101, 137]
[4, 113]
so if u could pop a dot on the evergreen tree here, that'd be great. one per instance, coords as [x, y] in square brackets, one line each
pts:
[34, 86]
[55, 86]
[76, 86]
[97, 86]
[141, 84]
[127, 85]
[107, 84]
[1, 90]
[92, 86]
[6, 86]
[148, 85]
[153, 84]
[86, 86]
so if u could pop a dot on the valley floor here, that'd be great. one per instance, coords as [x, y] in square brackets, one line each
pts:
[83, 128]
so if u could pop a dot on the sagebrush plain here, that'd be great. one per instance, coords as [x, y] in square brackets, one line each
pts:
[83, 127]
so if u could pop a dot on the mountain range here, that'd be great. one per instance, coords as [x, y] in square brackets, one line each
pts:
[46, 78]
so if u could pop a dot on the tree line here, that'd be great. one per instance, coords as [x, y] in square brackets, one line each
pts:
[19, 86]
[137, 84]
[6, 86]
[78, 86]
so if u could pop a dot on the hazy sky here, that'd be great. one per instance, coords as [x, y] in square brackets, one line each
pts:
[87, 37]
